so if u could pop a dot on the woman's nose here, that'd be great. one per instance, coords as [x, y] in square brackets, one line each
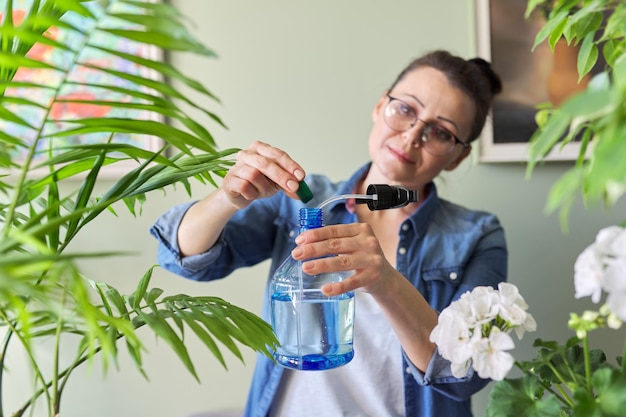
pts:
[414, 134]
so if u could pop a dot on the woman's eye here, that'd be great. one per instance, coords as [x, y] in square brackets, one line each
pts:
[441, 134]
[406, 110]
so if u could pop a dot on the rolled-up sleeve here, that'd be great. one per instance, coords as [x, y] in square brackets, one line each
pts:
[439, 376]
[165, 230]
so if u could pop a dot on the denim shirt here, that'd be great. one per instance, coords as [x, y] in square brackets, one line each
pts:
[444, 250]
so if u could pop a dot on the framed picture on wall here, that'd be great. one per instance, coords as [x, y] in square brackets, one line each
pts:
[529, 77]
[80, 83]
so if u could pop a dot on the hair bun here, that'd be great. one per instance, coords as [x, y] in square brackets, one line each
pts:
[494, 80]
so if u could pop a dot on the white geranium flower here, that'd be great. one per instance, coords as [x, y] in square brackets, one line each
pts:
[615, 286]
[529, 325]
[463, 309]
[617, 304]
[513, 310]
[618, 244]
[509, 294]
[615, 275]
[490, 359]
[606, 238]
[460, 329]
[459, 369]
[484, 304]
[452, 336]
[589, 274]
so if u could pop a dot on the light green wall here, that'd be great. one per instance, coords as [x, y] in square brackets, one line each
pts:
[304, 76]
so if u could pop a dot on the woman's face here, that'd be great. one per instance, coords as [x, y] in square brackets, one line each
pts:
[400, 157]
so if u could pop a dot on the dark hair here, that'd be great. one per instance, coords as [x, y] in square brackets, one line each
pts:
[474, 77]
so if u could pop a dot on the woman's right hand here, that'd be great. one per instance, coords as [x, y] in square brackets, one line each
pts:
[261, 171]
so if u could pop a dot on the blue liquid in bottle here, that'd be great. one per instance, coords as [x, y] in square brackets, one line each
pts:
[315, 332]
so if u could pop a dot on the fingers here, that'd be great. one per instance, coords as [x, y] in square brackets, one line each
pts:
[356, 248]
[275, 164]
[343, 239]
[260, 171]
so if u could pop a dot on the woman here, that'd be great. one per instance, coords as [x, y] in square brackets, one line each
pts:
[409, 262]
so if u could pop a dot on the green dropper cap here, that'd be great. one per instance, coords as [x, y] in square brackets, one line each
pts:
[304, 192]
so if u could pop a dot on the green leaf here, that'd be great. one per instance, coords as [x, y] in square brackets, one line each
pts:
[135, 354]
[14, 62]
[521, 398]
[177, 137]
[164, 89]
[531, 6]
[555, 24]
[221, 328]
[29, 36]
[93, 151]
[586, 21]
[610, 51]
[152, 295]
[545, 138]
[609, 399]
[162, 40]
[85, 192]
[589, 104]
[564, 189]
[607, 167]
[160, 327]
[157, 177]
[614, 29]
[619, 73]
[192, 318]
[142, 287]
[10, 116]
[103, 298]
[587, 56]
[164, 68]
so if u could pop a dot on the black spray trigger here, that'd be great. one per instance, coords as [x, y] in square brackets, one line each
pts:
[389, 196]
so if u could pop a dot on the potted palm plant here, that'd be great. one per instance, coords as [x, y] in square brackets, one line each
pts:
[73, 106]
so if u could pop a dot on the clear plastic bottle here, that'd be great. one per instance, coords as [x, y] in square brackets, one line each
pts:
[315, 332]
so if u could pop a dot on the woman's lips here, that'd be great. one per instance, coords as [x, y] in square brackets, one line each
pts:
[401, 155]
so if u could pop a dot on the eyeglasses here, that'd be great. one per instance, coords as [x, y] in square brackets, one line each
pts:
[436, 140]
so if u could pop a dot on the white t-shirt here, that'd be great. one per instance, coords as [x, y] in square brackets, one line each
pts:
[370, 385]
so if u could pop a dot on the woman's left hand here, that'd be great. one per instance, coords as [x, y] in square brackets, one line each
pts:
[357, 249]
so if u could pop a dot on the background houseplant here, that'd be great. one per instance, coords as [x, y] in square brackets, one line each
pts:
[48, 192]
[566, 379]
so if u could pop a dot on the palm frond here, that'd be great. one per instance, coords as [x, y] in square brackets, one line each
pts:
[83, 88]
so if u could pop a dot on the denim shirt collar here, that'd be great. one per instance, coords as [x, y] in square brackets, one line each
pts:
[421, 217]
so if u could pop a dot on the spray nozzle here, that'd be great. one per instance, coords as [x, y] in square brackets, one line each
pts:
[380, 197]
[388, 196]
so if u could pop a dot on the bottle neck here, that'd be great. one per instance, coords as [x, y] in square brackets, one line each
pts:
[310, 218]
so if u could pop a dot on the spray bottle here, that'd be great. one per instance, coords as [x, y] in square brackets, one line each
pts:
[315, 332]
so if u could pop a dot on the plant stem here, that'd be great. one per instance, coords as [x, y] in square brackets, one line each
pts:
[5, 348]
[624, 360]
[29, 352]
[563, 396]
[47, 385]
[587, 363]
[566, 398]
[56, 393]
[81, 358]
